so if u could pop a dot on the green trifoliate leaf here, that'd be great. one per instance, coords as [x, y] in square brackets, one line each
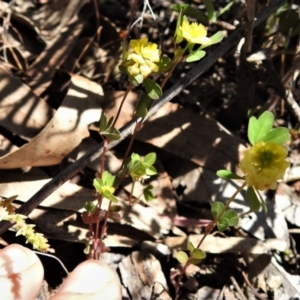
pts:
[182, 257]
[252, 199]
[258, 128]
[223, 224]
[107, 194]
[89, 206]
[231, 216]
[153, 90]
[195, 55]
[137, 170]
[278, 135]
[216, 209]
[111, 133]
[148, 194]
[225, 174]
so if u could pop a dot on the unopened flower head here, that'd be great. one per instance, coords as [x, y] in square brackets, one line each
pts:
[194, 33]
[141, 58]
[264, 164]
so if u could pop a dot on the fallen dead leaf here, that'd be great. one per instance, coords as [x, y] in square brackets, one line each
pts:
[65, 130]
[21, 111]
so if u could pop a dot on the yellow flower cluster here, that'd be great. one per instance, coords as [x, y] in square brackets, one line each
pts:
[264, 164]
[194, 33]
[38, 241]
[141, 58]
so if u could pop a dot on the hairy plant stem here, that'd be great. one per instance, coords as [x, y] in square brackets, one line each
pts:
[99, 199]
[129, 87]
[208, 230]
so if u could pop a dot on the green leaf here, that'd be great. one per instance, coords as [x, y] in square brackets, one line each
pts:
[153, 90]
[223, 224]
[144, 102]
[149, 159]
[136, 80]
[216, 38]
[196, 55]
[103, 122]
[198, 254]
[115, 208]
[191, 12]
[135, 157]
[111, 133]
[191, 247]
[164, 64]
[258, 128]
[262, 202]
[178, 37]
[148, 194]
[225, 8]
[210, 10]
[252, 199]
[182, 257]
[108, 179]
[137, 169]
[195, 261]
[278, 135]
[89, 206]
[98, 184]
[141, 110]
[150, 171]
[231, 216]
[110, 121]
[216, 209]
[107, 194]
[225, 174]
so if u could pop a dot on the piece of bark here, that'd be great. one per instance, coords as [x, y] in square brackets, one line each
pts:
[142, 277]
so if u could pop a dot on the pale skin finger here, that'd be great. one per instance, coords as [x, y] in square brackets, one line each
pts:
[21, 273]
[90, 280]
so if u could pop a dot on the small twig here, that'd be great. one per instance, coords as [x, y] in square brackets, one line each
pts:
[251, 287]
[250, 24]
[238, 289]
[127, 129]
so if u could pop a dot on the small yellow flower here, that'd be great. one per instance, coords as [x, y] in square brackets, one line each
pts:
[264, 164]
[194, 33]
[141, 58]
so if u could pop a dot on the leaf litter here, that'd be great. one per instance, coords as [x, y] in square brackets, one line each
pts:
[40, 138]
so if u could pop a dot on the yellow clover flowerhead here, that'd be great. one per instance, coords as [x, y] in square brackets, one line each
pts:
[141, 57]
[264, 164]
[194, 33]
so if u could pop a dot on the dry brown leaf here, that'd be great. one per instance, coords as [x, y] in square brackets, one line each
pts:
[69, 196]
[21, 111]
[65, 130]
